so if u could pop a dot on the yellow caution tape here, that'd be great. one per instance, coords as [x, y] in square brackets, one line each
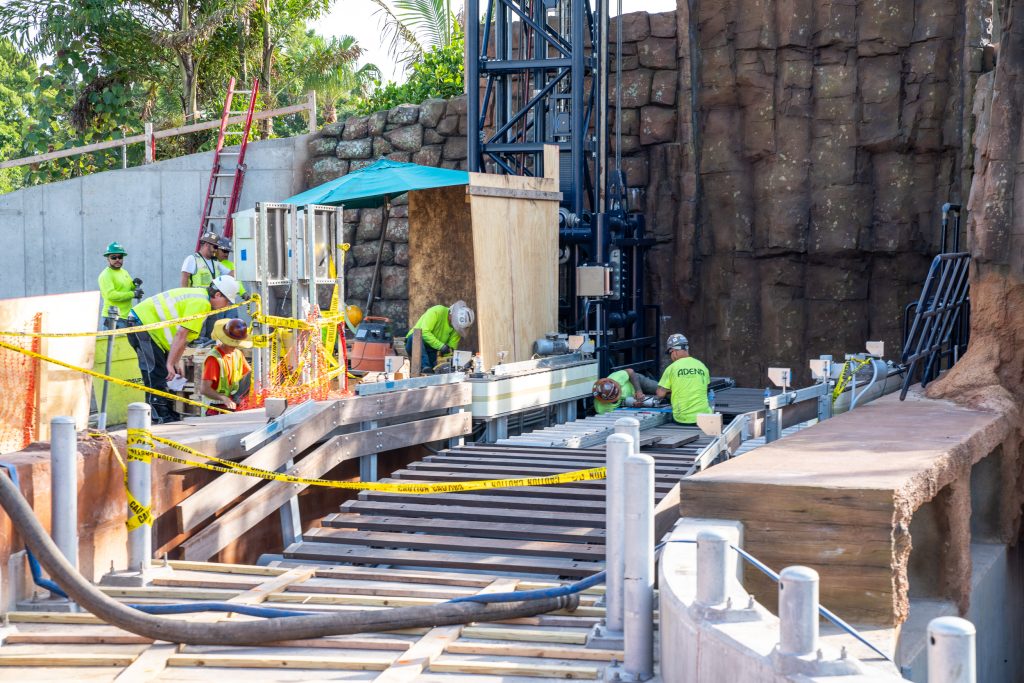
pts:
[142, 442]
[141, 514]
[845, 375]
[127, 330]
[108, 378]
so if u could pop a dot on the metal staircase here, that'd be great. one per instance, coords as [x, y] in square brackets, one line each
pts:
[225, 185]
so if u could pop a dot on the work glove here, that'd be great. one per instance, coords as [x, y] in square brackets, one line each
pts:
[138, 294]
[629, 402]
[444, 350]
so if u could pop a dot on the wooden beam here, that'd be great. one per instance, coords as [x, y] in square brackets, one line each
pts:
[577, 637]
[149, 665]
[50, 638]
[514, 669]
[278, 661]
[226, 488]
[324, 458]
[53, 659]
[513, 193]
[525, 530]
[495, 651]
[255, 596]
[369, 507]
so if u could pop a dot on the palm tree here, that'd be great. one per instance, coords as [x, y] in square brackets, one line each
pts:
[328, 66]
[415, 26]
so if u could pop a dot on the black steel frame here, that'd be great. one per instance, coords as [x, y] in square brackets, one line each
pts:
[534, 77]
[940, 312]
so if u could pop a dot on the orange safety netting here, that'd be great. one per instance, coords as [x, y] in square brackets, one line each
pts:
[300, 367]
[18, 376]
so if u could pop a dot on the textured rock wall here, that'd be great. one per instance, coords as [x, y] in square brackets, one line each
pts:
[433, 134]
[824, 137]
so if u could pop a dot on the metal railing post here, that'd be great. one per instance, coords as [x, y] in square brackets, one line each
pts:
[140, 487]
[798, 611]
[631, 427]
[64, 486]
[110, 323]
[150, 155]
[619, 447]
[711, 568]
[951, 651]
[638, 577]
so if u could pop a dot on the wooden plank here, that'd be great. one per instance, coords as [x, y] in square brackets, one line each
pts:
[406, 575]
[418, 658]
[584, 490]
[228, 487]
[148, 665]
[289, 661]
[226, 568]
[506, 502]
[270, 497]
[369, 507]
[537, 651]
[332, 552]
[53, 618]
[58, 659]
[563, 637]
[511, 471]
[73, 638]
[540, 532]
[515, 669]
[581, 551]
[260, 593]
[513, 193]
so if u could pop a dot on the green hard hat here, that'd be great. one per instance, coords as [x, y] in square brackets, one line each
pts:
[115, 248]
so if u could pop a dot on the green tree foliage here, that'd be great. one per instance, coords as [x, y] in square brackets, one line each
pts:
[415, 27]
[439, 73]
[17, 94]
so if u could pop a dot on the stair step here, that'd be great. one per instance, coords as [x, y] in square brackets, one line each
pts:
[220, 196]
[235, 154]
[225, 175]
[242, 92]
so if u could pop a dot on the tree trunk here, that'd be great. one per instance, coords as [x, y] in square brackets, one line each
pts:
[265, 126]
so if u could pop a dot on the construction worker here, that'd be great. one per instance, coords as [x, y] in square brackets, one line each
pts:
[227, 375]
[622, 387]
[443, 327]
[200, 268]
[159, 350]
[227, 266]
[116, 284]
[686, 380]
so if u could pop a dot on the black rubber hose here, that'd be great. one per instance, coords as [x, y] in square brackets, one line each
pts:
[249, 632]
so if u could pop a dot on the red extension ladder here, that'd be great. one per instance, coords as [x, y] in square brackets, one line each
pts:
[226, 182]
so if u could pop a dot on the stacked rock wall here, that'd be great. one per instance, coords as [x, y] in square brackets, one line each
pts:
[433, 134]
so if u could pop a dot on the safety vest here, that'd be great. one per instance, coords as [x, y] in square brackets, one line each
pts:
[228, 268]
[175, 303]
[203, 275]
[232, 369]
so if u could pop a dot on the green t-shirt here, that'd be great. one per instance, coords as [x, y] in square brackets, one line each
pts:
[688, 380]
[620, 377]
[117, 289]
[437, 331]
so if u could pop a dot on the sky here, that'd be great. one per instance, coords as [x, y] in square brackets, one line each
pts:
[356, 18]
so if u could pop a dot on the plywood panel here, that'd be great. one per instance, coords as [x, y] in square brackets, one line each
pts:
[441, 253]
[515, 249]
[59, 391]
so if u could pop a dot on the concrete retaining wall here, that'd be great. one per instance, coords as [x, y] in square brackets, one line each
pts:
[54, 235]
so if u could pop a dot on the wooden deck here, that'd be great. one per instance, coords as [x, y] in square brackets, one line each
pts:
[79, 647]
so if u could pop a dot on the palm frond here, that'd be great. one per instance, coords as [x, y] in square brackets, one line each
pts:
[405, 46]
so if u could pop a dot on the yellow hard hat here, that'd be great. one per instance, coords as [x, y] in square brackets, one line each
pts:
[353, 314]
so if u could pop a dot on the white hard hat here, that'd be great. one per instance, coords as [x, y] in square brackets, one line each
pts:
[676, 342]
[228, 286]
[461, 316]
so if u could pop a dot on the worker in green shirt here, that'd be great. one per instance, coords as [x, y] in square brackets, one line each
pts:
[116, 284]
[622, 387]
[160, 350]
[443, 327]
[686, 381]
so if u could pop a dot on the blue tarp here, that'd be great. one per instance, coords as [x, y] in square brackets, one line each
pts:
[381, 180]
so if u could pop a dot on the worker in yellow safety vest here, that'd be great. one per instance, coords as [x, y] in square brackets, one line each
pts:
[200, 268]
[442, 328]
[159, 350]
[685, 380]
[227, 375]
[227, 266]
[116, 284]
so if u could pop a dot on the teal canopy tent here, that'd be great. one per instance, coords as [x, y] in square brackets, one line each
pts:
[376, 185]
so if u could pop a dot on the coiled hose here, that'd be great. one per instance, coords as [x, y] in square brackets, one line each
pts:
[250, 632]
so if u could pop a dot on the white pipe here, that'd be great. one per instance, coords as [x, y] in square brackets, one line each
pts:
[798, 611]
[874, 378]
[711, 568]
[639, 568]
[64, 487]
[951, 653]
[140, 485]
[631, 427]
[618, 447]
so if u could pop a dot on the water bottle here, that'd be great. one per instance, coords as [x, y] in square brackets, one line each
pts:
[711, 399]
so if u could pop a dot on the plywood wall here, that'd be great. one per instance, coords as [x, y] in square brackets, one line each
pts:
[441, 269]
[58, 390]
[515, 251]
